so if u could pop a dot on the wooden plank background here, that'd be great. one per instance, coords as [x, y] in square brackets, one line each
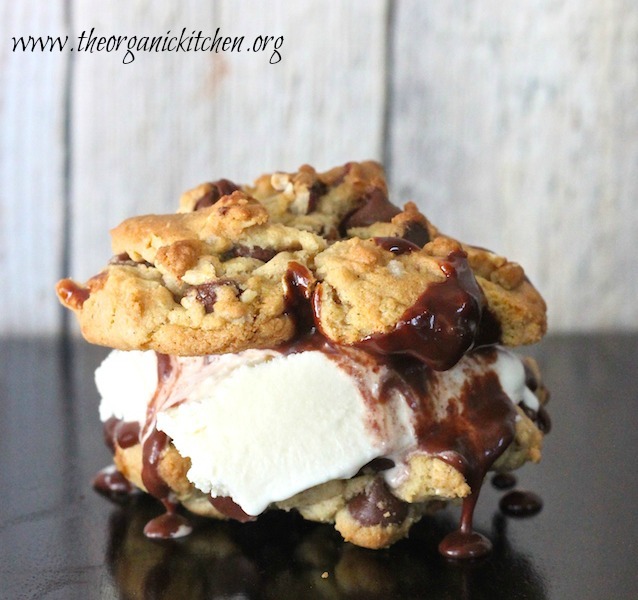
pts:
[513, 126]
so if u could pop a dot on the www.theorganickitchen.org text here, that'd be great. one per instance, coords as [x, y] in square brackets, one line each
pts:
[129, 45]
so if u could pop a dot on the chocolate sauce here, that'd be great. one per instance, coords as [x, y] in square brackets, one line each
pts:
[123, 433]
[376, 505]
[376, 207]
[539, 417]
[297, 296]
[111, 483]
[222, 187]
[504, 481]
[72, 295]
[465, 545]
[396, 245]
[152, 449]
[169, 525]
[229, 508]
[442, 324]
[543, 420]
[489, 331]
[518, 503]
[165, 367]
[470, 439]
[155, 442]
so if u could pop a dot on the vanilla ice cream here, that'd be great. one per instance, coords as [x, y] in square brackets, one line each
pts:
[263, 425]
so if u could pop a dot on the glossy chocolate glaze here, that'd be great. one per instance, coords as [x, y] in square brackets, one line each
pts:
[396, 245]
[168, 525]
[470, 441]
[229, 508]
[111, 483]
[503, 481]
[441, 326]
[519, 503]
[124, 434]
[72, 295]
[539, 417]
[154, 444]
[298, 293]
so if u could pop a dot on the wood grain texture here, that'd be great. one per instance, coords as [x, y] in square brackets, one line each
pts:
[146, 131]
[516, 128]
[32, 111]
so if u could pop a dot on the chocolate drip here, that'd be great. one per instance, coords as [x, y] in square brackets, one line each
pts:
[540, 417]
[123, 433]
[164, 367]
[489, 330]
[155, 442]
[111, 483]
[229, 508]
[297, 296]
[504, 481]
[377, 506]
[519, 503]
[152, 449]
[465, 544]
[470, 440]
[73, 295]
[169, 525]
[442, 324]
[543, 420]
[376, 207]
[222, 187]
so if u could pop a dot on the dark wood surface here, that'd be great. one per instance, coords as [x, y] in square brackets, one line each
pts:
[59, 539]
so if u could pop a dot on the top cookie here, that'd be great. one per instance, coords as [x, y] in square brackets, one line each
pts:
[221, 274]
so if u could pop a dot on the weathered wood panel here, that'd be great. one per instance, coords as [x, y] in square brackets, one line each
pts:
[515, 126]
[146, 131]
[32, 193]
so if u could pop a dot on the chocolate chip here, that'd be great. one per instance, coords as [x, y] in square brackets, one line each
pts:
[377, 506]
[206, 293]
[317, 190]
[262, 254]
[376, 207]
[126, 260]
[416, 233]
[222, 187]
